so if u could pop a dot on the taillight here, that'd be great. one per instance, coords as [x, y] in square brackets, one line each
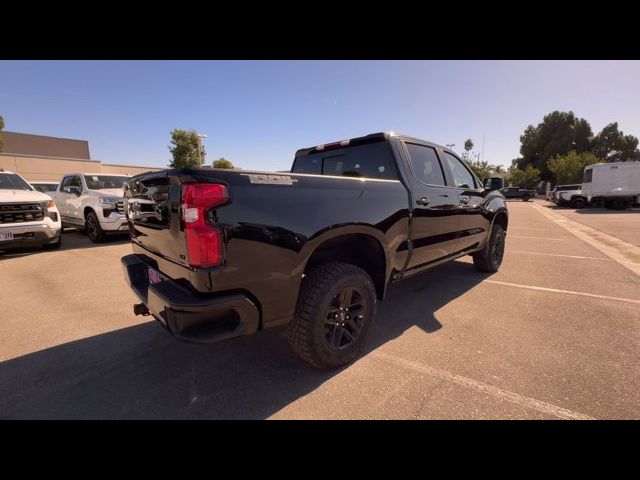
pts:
[204, 241]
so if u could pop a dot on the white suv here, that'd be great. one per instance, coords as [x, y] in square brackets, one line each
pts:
[93, 201]
[27, 217]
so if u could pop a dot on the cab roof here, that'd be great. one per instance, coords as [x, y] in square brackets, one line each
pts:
[371, 138]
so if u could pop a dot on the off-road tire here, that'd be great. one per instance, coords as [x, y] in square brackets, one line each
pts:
[307, 332]
[488, 260]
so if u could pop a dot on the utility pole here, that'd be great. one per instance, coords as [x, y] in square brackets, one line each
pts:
[483, 148]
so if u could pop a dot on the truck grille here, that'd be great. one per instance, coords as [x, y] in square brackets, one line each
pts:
[21, 212]
[120, 207]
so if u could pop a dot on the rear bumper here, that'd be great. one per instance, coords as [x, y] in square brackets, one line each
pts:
[187, 316]
[30, 235]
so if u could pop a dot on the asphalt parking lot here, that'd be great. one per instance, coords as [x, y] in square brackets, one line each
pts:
[554, 334]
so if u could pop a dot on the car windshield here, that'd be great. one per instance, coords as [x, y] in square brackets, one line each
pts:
[47, 187]
[11, 181]
[100, 182]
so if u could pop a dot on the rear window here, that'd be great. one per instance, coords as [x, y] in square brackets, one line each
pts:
[588, 175]
[568, 187]
[373, 160]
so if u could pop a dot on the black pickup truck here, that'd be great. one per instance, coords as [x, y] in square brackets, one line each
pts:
[517, 192]
[223, 253]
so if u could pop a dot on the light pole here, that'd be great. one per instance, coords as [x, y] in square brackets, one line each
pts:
[200, 146]
[450, 145]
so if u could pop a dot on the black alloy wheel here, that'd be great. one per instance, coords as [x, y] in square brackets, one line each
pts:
[344, 319]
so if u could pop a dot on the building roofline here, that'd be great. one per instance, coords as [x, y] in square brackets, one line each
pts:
[5, 154]
[47, 136]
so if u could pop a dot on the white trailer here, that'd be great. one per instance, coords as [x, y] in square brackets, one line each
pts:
[614, 185]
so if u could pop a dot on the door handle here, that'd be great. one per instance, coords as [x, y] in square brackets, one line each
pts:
[423, 201]
[464, 200]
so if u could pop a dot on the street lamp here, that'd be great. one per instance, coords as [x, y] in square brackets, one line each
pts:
[450, 145]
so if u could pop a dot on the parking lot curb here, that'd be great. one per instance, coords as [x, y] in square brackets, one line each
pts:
[626, 254]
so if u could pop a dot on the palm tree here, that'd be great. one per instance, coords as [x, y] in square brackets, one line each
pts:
[468, 145]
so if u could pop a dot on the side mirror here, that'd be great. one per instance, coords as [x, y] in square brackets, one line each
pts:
[72, 189]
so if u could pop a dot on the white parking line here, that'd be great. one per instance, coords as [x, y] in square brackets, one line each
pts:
[558, 255]
[572, 256]
[512, 397]
[555, 290]
[528, 228]
[543, 289]
[613, 247]
[539, 238]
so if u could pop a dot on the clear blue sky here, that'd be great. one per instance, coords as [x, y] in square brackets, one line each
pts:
[258, 113]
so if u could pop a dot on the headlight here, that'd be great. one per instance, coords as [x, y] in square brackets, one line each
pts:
[48, 212]
[109, 201]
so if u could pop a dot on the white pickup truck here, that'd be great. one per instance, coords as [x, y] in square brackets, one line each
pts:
[27, 217]
[92, 201]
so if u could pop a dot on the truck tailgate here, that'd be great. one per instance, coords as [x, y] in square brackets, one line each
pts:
[152, 204]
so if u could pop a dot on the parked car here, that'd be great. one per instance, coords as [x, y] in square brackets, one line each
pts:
[222, 253]
[28, 218]
[614, 185]
[569, 195]
[517, 192]
[45, 186]
[92, 202]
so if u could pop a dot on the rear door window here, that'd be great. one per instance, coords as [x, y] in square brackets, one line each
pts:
[425, 164]
[374, 160]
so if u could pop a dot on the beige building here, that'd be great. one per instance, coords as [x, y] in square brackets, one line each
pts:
[38, 157]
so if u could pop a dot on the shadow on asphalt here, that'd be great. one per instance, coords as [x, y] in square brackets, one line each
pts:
[142, 372]
[71, 239]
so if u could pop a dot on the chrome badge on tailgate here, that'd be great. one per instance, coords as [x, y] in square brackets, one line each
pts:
[267, 179]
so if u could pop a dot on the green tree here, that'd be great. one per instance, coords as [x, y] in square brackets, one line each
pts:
[186, 148]
[527, 178]
[1, 139]
[612, 145]
[468, 145]
[222, 163]
[481, 169]
[570, 167]
[497, 168]
[557, 134]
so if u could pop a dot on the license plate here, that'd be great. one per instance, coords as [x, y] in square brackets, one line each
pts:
[154, 276]
[4, 236]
